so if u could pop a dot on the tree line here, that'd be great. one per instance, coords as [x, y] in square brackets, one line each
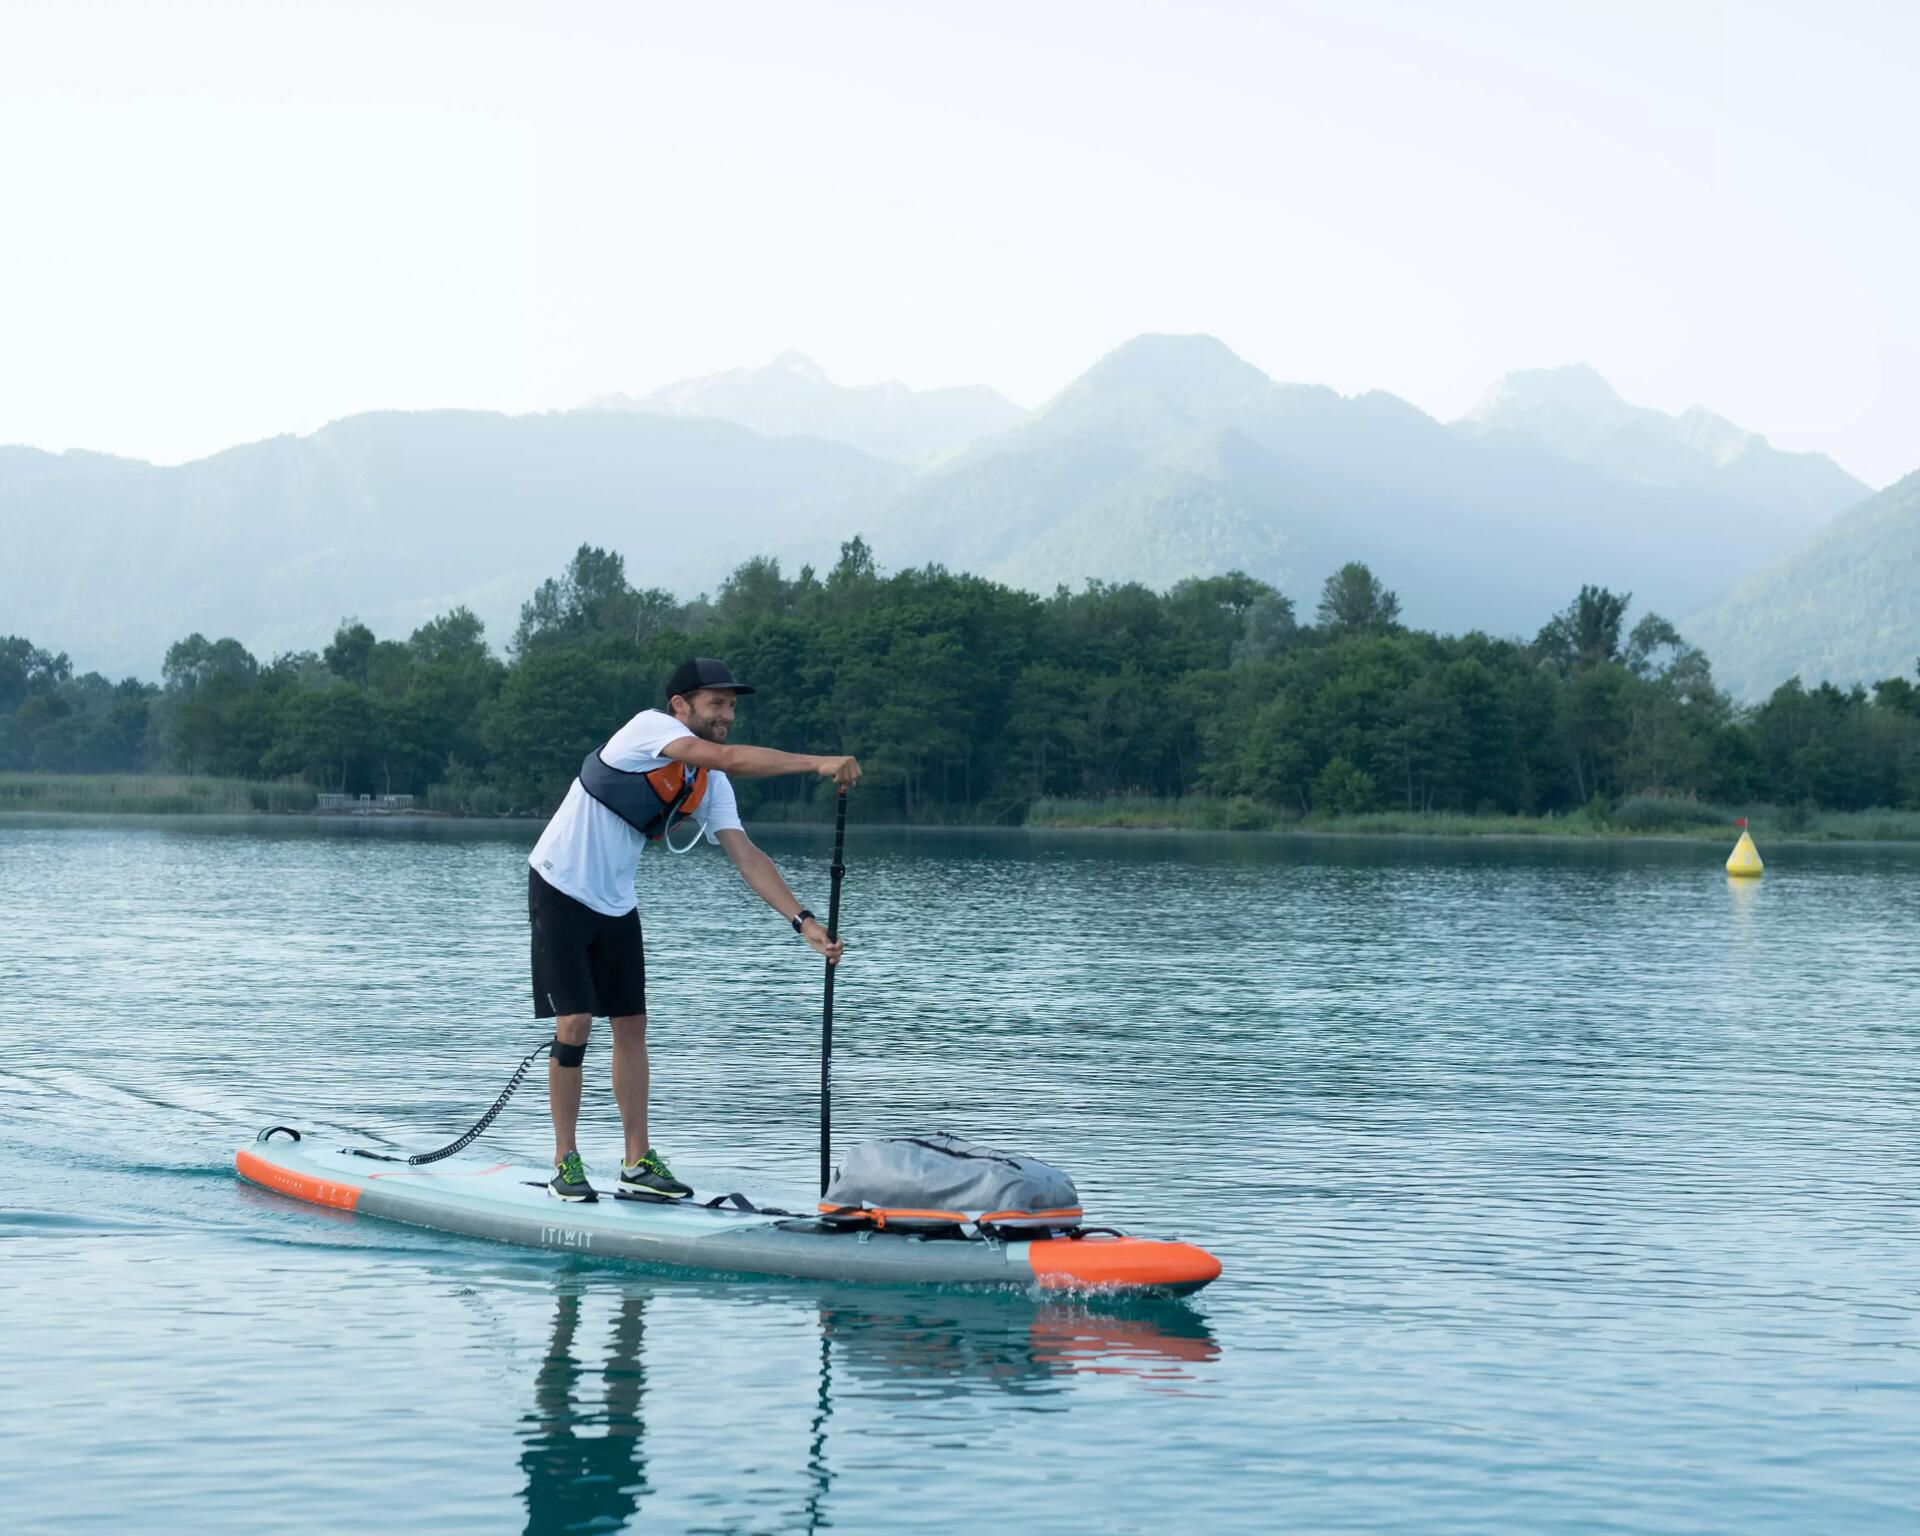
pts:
[968, 700]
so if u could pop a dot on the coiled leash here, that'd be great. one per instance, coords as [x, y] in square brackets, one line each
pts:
[474, 1131]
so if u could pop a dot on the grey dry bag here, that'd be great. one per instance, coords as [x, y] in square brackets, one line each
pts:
[943, 1181]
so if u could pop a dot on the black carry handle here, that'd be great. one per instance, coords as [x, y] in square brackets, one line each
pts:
[837, 870]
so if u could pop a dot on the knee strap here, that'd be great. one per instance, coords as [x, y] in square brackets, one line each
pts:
[565, 1055]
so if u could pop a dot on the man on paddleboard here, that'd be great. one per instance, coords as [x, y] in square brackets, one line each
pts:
[660, 770]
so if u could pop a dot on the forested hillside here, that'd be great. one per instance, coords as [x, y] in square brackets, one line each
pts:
[969, 700]
[1844, 606]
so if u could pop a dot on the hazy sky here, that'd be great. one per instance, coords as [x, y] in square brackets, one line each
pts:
[223, 221]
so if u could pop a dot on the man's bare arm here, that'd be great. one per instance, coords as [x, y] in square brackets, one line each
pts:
[759, 872]
[760, 762]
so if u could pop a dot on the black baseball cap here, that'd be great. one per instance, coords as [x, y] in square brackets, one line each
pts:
[702, 672]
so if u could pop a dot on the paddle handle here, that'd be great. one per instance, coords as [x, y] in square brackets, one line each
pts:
[836, 871]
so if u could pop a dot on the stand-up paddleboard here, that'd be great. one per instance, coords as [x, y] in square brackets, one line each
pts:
[483, 1197]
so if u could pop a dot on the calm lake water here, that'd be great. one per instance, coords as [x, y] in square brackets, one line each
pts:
[1560, 1189]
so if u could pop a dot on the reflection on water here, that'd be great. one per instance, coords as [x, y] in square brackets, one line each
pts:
[942, 1343]
[586, 1467]
[584, 1443]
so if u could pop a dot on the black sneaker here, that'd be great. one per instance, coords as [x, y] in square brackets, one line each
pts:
[650, 1179]
[569, 1180]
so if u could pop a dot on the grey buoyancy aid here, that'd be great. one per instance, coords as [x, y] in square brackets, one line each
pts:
[649, 802]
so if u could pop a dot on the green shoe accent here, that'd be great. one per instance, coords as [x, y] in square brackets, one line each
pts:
[653, 1162]
[650, 1179]
[569, 1180]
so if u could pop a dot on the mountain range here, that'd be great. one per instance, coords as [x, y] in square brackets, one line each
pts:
[394, 518]
[1843, 607]
[793, 397]
[1576, 414]
[1170, 457]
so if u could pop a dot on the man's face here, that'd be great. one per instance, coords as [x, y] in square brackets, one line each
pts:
[708, 712]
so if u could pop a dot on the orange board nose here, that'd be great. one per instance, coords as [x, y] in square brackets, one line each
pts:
[1061, 1263]
[300, 1185]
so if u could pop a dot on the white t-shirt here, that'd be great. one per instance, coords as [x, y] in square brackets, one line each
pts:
[593, 855]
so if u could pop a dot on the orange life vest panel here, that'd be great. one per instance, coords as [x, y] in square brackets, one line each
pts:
[649, 802]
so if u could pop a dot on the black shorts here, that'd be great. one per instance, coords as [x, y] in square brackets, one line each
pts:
[583, 960]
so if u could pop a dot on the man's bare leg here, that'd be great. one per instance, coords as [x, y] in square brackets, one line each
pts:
[563, 1084]
[630, 1082]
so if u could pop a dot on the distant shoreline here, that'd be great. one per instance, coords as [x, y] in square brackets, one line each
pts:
[10, 817]
[1645, 818]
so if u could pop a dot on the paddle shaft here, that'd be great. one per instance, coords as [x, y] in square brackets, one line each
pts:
[837, 870]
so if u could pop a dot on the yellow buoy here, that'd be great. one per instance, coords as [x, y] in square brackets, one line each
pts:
[1745, 858]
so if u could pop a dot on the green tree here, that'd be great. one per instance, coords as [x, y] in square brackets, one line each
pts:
[1212, 614]
[325, 735]
[1354, 600]
[452, 680]
[554, 707]
[1272, 761]
[1897, 695]
[1586, 633]
[350, 653]
[26, 670]
[1268, 629]
[754, 590]
[590, 598]
[206, 684]
[1045, 697]
[1593, 728]
[1428, 736]
[855, 570]
[1342, 789]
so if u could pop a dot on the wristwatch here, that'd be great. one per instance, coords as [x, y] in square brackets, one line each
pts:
[802, 916]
